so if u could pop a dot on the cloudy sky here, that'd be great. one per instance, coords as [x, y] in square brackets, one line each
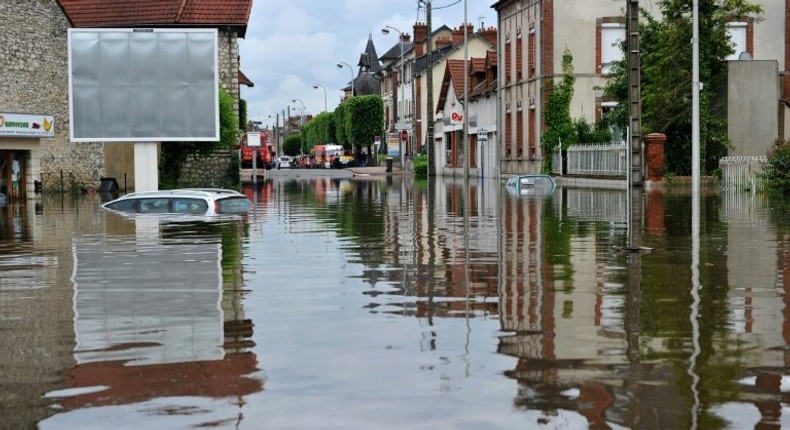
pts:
[292, 45]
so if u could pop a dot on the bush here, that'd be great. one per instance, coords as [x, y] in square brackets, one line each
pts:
[776, 175]
[421, 166]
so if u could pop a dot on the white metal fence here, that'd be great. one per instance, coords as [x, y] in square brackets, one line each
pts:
[598, 159]
[742, 172]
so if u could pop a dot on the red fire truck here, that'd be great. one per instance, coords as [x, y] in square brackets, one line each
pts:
[265, 153]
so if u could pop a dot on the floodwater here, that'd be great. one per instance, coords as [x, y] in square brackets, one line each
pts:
[379, 303]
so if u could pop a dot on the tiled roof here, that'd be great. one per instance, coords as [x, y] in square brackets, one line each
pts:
[135, 13]
[453, 72]
[244, 80]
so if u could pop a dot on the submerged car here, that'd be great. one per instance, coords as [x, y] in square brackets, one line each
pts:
[191, 201]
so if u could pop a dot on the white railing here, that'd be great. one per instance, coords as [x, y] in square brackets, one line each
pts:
[602, 159]
[742, 172]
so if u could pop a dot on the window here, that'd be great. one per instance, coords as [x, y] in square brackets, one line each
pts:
[148, 206]
[612, 35]
[190, 206]
[737, 33]
[233, 205]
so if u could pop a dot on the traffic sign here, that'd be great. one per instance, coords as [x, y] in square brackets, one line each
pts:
[404, 135]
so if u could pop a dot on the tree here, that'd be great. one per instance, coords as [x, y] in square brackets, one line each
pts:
[174, 154]
[293, 144]
[666, 78]
[559, 126]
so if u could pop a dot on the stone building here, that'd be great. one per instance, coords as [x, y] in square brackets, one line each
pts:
[34, 104]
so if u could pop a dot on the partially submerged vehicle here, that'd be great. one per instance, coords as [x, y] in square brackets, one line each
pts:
[533, 184]
[189, 201]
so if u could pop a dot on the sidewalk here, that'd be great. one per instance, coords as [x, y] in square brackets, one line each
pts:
[377, 170]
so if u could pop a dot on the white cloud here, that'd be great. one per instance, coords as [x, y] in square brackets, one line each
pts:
[291, 45]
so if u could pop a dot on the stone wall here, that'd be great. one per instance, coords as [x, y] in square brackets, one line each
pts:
[34, 75]
[212, 170]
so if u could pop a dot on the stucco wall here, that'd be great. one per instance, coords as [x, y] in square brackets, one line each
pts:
[752, 106]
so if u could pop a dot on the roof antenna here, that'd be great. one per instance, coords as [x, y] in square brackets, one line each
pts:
[482, 24]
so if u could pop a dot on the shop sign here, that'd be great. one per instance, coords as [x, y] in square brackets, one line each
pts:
[24, 125]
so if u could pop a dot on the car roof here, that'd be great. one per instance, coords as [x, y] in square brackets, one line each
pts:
[209, 193]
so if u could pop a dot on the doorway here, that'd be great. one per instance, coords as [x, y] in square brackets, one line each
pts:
[12, 175]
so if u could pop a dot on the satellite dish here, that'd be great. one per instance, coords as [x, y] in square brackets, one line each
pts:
[744, 56]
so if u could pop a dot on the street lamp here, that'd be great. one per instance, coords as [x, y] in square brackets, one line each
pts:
[316, 86]
[296, 99]
[385, 31]
[340, 66]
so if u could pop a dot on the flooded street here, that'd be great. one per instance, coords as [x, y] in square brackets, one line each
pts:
[377, 302]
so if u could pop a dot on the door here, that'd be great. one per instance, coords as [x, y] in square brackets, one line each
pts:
[12, 175]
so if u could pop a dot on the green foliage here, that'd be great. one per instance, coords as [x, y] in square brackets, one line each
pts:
[421, 166]
[591, 133]
[340, 129]
[776, 175]
[666, 78]
[559, 126]
[242, 114]
[319, 131]
[173, 155]
[228, 125]
[293, 144]
[364, 119]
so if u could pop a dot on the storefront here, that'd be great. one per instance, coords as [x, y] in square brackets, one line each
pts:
[20, 166]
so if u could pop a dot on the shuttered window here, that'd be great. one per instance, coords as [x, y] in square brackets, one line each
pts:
[612, 35]
[737, 33]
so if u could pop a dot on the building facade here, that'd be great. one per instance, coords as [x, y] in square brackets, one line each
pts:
[33, 46]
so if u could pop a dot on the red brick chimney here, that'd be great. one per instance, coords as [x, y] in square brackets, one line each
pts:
[441, 42]
[420, 31]
[458, 33]
[405, 37]
[489, 34]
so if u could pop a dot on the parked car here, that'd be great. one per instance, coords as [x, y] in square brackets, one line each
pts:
[284, 162]
[191, 201]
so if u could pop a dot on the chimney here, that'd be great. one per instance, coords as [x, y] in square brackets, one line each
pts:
[405, 37]
[458, 33]
[420, 31]
[489, 34]
[442, 42]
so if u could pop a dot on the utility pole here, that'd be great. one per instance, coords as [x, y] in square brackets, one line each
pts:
[635, 173]
[634, 91]
[429, 97]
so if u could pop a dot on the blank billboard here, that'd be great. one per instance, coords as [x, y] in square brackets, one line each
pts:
[143, 85]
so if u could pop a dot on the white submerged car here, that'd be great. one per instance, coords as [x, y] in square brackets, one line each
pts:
[189, 201]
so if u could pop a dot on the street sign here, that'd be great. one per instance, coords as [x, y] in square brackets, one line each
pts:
[482, 135]
[402, 126]
[253, 139]
[404, 136]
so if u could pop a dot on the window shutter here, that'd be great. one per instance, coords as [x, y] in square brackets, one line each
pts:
[737, 33]
[612, 34]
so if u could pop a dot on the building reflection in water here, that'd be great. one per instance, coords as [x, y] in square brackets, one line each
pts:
[601, 336]
[159, 314]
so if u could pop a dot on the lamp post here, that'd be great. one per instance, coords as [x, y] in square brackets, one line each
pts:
[351, 69]
[316, 86]
[301, 117]
[386, 31]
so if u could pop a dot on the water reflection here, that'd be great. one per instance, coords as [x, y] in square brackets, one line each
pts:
[388, 303]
